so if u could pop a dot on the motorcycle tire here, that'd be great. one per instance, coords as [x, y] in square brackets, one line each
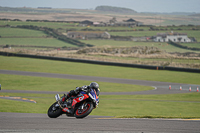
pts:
[54, 113]
[79, 114]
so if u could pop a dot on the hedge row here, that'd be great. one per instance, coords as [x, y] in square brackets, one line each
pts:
[5, 19]
[151, 29]
[32, 46]
[183, 47]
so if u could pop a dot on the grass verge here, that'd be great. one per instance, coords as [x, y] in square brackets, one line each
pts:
[148, 106]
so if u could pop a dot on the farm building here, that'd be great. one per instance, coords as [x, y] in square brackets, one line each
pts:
[174, 37]
[129, 22]
[133, 22]
[88, 34]
[85, 23]
[99, 24]
[112, 22]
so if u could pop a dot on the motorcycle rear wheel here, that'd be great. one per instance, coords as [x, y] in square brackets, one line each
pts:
[54, 113]
[81, 113]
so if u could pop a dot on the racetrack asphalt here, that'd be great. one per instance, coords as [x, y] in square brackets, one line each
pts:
[41, 123]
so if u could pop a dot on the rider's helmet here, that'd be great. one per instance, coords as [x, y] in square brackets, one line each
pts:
[95, 86]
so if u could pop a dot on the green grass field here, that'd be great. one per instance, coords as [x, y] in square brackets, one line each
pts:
[192, 45]
[26, 39]
[6, 32]
[148, 106]
[35, 42]
[151, 106]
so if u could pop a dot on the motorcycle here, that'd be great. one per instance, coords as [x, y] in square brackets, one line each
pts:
[79, 106]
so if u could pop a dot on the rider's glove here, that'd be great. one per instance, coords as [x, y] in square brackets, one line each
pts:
[84, 88]
[77, 90]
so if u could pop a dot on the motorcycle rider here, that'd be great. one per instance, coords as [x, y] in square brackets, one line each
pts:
[85, 88]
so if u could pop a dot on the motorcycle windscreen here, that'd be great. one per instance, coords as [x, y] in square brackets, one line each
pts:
[93, 93]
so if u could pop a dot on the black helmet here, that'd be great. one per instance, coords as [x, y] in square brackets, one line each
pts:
[95, 86]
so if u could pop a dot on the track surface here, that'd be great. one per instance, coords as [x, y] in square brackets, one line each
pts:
[22, 122]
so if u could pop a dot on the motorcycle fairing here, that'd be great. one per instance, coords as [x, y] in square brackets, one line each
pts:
[80, 98]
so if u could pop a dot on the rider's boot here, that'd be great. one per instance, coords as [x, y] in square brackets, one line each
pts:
[67, 110]
[69, 104]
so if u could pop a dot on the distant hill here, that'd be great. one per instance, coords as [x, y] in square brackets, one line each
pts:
[171, 13]
[115, 9]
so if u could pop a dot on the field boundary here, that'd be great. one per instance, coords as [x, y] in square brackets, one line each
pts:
[183, 47]
[34, 46]
[103, 62]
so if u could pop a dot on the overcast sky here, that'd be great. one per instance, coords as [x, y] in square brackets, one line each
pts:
[137, 5]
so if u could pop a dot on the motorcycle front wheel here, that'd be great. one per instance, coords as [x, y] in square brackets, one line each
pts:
[84, 110]
[53, 111]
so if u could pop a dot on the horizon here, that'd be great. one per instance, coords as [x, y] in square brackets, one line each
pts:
[154, 6]
[103, 5]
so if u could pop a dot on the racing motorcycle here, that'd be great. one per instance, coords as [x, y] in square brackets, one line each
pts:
[79, 106]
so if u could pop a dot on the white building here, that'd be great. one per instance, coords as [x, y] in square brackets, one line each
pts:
[174, 37]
